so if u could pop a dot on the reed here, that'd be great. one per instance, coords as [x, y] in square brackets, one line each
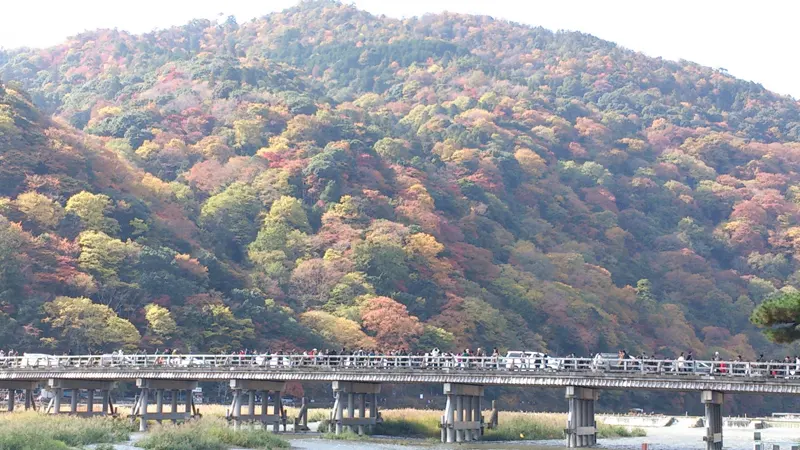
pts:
[615, 431]
[208, 434]
[32, 431]
[409, 423]
[512, 426]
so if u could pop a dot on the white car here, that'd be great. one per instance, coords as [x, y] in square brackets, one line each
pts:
[116, 359]
[519, 360]
[187, 361]
[516, 360]
[38, 360]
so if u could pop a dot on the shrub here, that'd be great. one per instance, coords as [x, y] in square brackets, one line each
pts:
[31, 431]
[208, 434]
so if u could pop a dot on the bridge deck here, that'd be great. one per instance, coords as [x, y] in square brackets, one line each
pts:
[730, 377]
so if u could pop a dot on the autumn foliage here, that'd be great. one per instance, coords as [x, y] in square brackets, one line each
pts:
[322, 177]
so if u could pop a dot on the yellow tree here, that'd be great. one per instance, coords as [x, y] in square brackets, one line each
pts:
[103, 255]
[87, 326]
[160, 324]
[92, 210]
[337, 331]
[42, 211]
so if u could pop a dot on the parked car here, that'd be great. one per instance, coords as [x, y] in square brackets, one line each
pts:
[519, 360]
[605, 361]
[38, 360]
[114, 359]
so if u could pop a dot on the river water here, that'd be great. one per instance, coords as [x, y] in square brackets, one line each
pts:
[666, 438]
[659, 439]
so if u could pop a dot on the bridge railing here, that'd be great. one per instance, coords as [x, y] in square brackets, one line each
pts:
[279, 362]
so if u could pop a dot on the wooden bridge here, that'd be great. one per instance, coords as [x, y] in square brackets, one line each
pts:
[357, 380]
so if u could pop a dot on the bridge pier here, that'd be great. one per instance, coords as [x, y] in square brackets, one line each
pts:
[13, 386]
[58, 386]
[462, 420]
[581, 428]
[713, 403]
[355, 395]
[147, 386]
[247, 390]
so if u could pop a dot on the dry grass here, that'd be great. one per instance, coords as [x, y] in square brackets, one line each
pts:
[218, 410]
[33, 431]
[209, 434]
[512, 425]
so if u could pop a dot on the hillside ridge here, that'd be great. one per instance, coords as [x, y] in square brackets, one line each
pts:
[324, 177]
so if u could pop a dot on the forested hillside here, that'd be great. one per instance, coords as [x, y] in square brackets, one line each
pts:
[323, 177]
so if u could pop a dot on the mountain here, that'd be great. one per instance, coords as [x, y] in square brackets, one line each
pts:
[325, 177]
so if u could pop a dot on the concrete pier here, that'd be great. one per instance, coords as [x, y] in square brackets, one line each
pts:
[248, 391]
[581, 428]
[713, 403]
[75, 387]
[462, 420]
[354, 395]
[159, 387]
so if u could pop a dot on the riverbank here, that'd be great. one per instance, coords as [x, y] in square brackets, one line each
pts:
[35, 431]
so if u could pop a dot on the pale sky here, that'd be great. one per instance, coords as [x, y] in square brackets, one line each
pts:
[752, 40]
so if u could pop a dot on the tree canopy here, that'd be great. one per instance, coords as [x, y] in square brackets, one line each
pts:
[453, 181]
[780, 315]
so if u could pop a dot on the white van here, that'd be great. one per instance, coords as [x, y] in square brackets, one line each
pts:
[38, 360]
[515, 360]
[519, 360]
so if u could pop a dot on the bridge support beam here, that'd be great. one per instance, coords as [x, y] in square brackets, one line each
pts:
[301, 421]
[148, 386]
[354, 397]
[581, 428]
[462, 420]
[13, 386]
[713, 403]
[248, 391]
[58, 386]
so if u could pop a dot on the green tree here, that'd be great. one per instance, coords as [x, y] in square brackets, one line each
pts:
[248, 135]
[209, 324]
[92, 210]
[103, 255]
[383, 262]
[780, 317]
[13, 277]
[394, 150]
[645, 299]
[290, 210]
[230, 216]
[436, 337]
[348, 289]
[282, 238]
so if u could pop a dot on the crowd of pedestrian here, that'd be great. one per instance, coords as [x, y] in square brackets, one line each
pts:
[686, 363]
[433, 359]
